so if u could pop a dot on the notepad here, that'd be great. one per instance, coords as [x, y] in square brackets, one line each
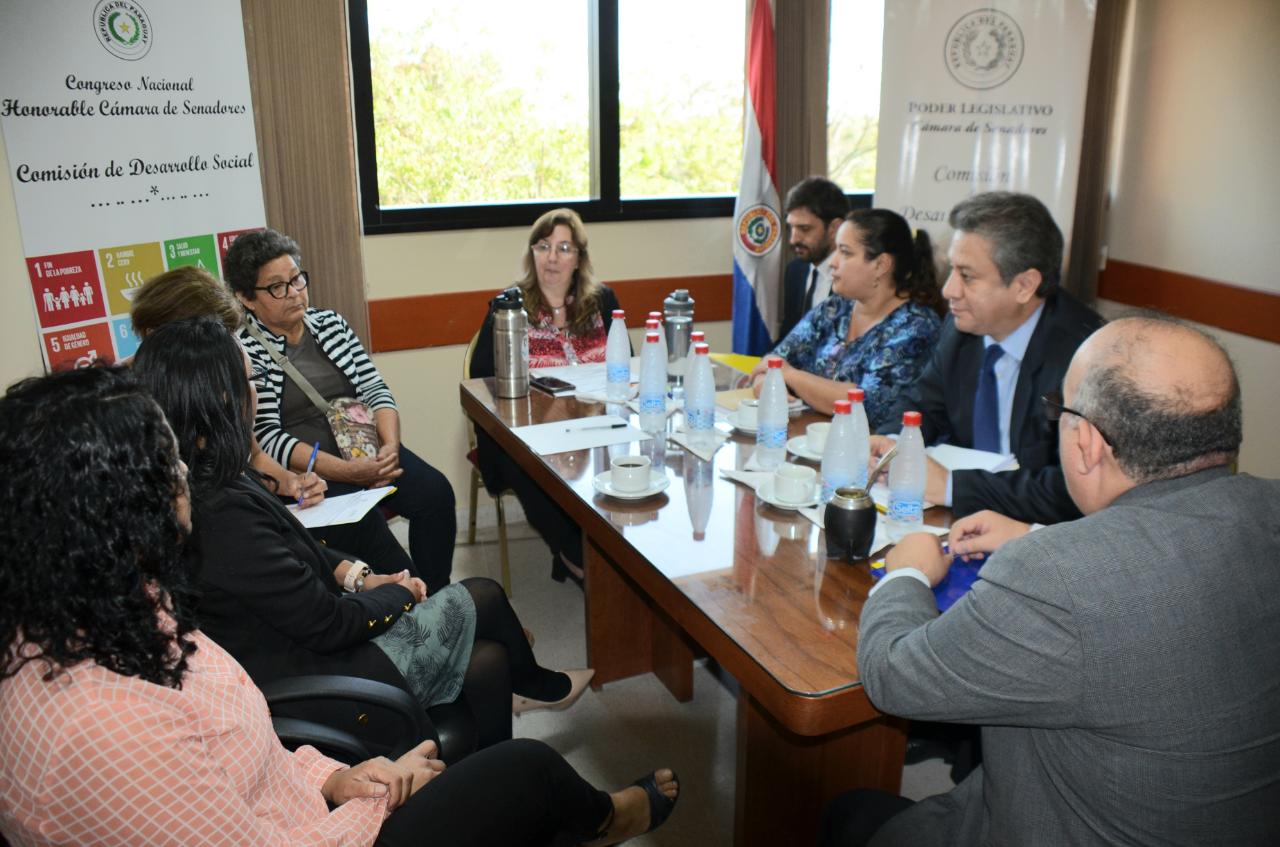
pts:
[343, 509]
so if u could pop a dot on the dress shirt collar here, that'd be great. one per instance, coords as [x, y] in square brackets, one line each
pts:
[822, 288]
[1015, 343]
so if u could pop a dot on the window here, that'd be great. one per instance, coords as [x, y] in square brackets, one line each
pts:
[853, 93]
[473, 114]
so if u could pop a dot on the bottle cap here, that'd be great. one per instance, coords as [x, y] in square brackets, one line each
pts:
[843, 407]
[774, 361]
[657, 316]
[618, 313]
[857, 395]
[911, 418]
[652, 323]
[651, 337]
[697, 335]
[702, 348]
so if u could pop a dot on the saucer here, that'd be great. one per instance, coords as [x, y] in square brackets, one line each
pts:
[732, 418]
[658, 482]
[766, 493]
[800, 447]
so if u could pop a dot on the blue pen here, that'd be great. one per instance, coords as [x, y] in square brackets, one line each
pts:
[311, 464]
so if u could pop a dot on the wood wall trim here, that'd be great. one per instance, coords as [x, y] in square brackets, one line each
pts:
[439, 320]
[1247, 311]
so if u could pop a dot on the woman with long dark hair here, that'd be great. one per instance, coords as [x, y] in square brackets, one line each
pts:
[283, 605]
[879, 326]
[125, 724]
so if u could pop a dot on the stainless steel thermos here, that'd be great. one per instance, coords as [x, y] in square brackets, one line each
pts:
[510, 343]
[677, 317]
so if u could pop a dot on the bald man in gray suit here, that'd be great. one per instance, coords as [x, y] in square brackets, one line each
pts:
[1125, 667]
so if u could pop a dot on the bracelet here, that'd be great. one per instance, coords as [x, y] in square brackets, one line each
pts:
[354, 580]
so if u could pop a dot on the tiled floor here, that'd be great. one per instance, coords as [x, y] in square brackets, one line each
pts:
[631, 727]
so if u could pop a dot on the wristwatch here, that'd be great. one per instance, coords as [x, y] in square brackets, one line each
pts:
[353, 582]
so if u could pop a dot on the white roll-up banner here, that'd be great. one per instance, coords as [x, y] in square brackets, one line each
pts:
[129, 131]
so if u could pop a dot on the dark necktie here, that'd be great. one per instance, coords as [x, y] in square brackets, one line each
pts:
[808, 295]
[986, 404]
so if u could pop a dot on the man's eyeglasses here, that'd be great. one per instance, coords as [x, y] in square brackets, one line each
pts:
[564, 248]
[1054, 409]
[280, 290]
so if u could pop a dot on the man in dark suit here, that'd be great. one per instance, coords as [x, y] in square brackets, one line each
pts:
[1123, 666]
[1007, 342]
[815, 208]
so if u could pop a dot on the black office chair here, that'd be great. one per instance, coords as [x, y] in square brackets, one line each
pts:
[352, 719]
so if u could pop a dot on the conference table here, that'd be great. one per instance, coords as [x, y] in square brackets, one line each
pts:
[705, 569]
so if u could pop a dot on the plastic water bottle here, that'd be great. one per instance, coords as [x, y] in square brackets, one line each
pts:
[700, 399]
[771, 432]
[653, 385]
[695, 338]
[654, 324]
[861, 437]
[617, 359]
[907, 479]
[839, 462]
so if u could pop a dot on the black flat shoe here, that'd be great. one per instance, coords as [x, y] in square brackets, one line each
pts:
[660, 805]
[560, 572]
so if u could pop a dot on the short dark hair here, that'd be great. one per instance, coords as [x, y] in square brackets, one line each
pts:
[91, 537]
[249, 252]
[1151, 435]
[914, 273]
[182, 293]
[822, 197]
[1022, 233]
[195, 371]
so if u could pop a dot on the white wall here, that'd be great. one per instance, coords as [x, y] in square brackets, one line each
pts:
[19, 341]
[1198, 177]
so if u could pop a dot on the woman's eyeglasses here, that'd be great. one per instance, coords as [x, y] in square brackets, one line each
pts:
[564, 248]
[280, 290]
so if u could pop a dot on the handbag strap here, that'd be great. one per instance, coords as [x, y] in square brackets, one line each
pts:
[289, 368]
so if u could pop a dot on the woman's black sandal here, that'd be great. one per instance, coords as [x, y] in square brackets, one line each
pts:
[660, 805]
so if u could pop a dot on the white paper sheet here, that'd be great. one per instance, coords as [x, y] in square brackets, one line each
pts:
[587, 379]
[966, 458]
[345, 508]
[578, 434]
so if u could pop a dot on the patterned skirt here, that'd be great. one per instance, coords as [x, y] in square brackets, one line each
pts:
[431, 644]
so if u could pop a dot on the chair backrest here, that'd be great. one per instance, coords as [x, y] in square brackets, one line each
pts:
[466, 374]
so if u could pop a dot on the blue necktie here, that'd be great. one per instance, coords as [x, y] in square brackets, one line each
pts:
[986, 404]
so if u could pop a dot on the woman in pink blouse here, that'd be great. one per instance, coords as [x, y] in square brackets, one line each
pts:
[125, 725]
[570, 313]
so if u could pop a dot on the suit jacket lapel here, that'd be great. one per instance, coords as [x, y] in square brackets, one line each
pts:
[1027, 372]
[968, 362]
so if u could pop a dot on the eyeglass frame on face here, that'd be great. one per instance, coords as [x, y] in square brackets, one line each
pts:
[564, 248]
[279, 290]
[1054, 410]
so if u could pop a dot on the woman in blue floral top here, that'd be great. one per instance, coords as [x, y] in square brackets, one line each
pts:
[877, 329]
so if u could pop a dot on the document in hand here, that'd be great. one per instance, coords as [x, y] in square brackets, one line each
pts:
[346, 508]
[967, 459]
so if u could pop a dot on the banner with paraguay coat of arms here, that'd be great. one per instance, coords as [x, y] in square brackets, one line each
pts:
[981, 97]
[757, 232]
[129, 131]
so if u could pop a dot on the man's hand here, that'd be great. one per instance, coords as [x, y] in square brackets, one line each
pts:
[922, 551]
[308, 488]
[984, 532]
[935, 482]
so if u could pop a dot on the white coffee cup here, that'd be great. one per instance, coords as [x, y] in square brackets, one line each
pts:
[794, 483]
[815, 436]
[629, 473]
[748, 412]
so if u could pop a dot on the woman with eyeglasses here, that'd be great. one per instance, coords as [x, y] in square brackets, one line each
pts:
[569, 317]
[264, 270]
[124, 723]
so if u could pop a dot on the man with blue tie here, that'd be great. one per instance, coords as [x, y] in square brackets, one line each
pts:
[815, 208]
[1007, 342]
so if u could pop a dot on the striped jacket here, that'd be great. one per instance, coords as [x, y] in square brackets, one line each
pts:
[334, 337]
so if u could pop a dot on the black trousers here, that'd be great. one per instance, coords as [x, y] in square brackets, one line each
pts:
[851, 819]
[424, 497]
[560, 533]
[516, 793]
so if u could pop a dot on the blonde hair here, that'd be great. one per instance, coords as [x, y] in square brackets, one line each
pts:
[181, 293]
[584, 289]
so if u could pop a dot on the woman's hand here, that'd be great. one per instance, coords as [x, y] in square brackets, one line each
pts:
[389, 457]
[378, 777]
[421, 761]
[415, 586]
[370, 473]
[307, 488]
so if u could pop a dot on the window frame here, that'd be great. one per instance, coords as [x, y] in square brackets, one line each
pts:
[605, 180]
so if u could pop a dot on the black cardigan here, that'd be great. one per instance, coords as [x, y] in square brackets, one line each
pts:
[268, 595]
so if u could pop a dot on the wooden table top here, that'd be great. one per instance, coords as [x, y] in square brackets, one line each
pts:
[750, 582]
